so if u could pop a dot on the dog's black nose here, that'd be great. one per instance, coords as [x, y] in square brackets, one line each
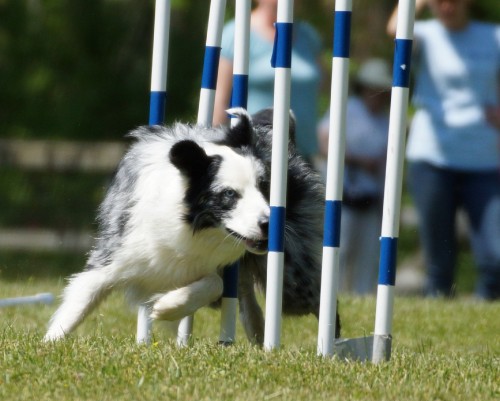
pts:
[264, 225]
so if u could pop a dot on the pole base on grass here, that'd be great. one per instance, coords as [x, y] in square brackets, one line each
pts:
[382, 345]
[185, 331]
[356, 349]
[226, 343]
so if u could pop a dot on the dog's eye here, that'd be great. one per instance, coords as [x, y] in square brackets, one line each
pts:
[229, 193]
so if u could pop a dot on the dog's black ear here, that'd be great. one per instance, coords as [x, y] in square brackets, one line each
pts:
[240, 134]
[190, 158]
[264, 118]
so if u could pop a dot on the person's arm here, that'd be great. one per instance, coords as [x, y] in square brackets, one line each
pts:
[493, 116]
[393, 19]
[492, 111]
[323, 134]
[223, 92]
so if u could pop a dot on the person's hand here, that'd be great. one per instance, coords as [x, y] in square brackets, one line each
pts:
[493, 116]
[419, 4]
[393, 19]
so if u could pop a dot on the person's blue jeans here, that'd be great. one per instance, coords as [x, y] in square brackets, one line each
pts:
[437, 194]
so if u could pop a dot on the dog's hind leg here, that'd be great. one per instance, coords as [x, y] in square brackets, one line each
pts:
[176, 304]
[83, 293]
[251, 315]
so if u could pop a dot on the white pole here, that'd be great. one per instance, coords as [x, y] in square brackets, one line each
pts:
[335, 178]
[393, 181]
[42, 298]
[144, 325]
[238, 99]
[206, 106]
[156, 113]
[282, 62]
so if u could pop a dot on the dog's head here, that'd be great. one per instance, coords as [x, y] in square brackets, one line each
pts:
[223, 187]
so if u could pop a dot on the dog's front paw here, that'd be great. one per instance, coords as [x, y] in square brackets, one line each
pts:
[54, 333]
[172, 306]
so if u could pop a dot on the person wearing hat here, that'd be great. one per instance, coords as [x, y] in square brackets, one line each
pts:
[367, 124]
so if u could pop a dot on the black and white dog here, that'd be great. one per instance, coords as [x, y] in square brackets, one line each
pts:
[185, 202]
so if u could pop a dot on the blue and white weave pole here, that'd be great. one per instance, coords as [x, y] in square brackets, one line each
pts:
[239, 97]
[382, 340]
[206, 107]
[156, 113]
[334, 179]
[282, 62]
[211, 62]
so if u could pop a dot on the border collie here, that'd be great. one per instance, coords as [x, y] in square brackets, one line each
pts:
[185, 202]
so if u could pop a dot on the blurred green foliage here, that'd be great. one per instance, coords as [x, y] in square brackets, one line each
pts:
[80, 69]
[41, 199]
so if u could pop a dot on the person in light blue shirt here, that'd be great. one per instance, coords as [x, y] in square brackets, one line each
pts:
[453, 145]
[305, 73]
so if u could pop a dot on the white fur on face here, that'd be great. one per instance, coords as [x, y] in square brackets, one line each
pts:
[242, 174]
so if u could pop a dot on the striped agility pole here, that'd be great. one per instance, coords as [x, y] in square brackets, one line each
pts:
[206, 107]
[156, 113]
[382, 340]
[335, 176]
[211, 62]
[239, 98]
[281, 62]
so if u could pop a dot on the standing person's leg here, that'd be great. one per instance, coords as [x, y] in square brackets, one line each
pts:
[434, 196]
[480, 194]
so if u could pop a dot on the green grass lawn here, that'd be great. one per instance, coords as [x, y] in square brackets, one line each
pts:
[442, 350]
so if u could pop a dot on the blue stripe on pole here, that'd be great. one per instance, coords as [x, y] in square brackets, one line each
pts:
[230, 280]
[388, 255]
[282, 50]
[342, 34]
[276, 240]
[402, 63]
[331, 229]
[210, 67]
[157, 102]
[239, 94]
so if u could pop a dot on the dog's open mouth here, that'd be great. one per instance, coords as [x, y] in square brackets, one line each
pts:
[258, 246]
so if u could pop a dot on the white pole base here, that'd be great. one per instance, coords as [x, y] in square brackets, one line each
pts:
[184, 332]
[382, 345]
[229, 310]
[144, 325]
